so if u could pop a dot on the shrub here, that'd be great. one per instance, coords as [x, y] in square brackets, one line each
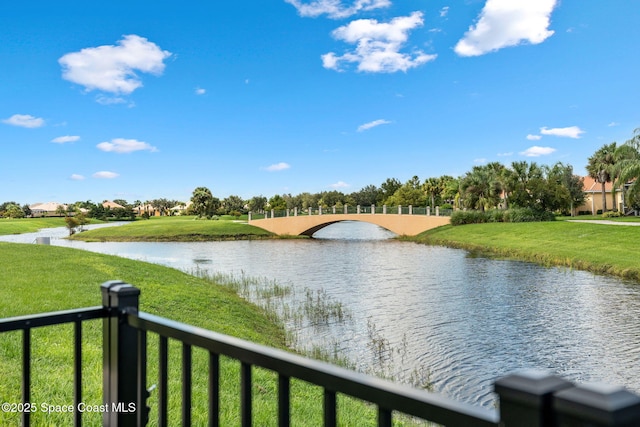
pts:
[528, 215]
[499, 215]
[612, 214]
[496, 215]
[468, 217]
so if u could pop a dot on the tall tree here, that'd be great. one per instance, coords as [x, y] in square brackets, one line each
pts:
[573, 183]
[331, 198]
[367, 196]
[432, 188]
[388, 188]
[233, 203]
[452, 192]
[410, 193]
[202, 202]
[277, 203]
[481, 188]
[628, 165]
[257, 203]
[523, 176]
[600, 167]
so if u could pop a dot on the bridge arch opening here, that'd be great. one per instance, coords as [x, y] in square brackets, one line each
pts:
[349, 230]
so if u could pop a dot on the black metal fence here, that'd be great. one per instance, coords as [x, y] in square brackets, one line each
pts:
[525, 399]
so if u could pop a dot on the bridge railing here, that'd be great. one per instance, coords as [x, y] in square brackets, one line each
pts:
[358, 210]
[525, 399]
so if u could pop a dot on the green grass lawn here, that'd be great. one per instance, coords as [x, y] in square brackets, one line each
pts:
[606, 249]
[41, 278]
[176, 228]
[28, 225]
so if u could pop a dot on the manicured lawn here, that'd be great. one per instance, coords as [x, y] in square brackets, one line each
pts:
[177, 228]
[28, 225]
[608, 249]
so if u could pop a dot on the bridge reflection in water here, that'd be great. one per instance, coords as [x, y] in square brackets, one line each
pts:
[407, 220]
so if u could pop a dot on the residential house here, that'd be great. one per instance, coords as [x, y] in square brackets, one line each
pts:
[593, 201]
[46, 209]
[147, 208]
[107, 204]
[181, 208]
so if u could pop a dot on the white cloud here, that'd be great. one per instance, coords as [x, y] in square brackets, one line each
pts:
[568, 132]
[110, 100]
[531, 137]
[536, 151]
[65, 139]
[340, 184]
[334, 8]
[105, 175]
[121, 145]
[200, 91]
[613, 124]
[378, 45]
[444, 11]
[76, 177]
[372, 124]
[113, 68]
[480, 161]
[278, 167]
[24, 120]
[510, 153]
[504, 23]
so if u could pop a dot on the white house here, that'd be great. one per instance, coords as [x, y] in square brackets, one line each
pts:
[46, 209]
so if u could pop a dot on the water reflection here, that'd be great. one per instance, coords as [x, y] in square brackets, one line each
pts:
[465, 320]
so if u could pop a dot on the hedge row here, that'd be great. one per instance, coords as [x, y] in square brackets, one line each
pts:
[499, 215]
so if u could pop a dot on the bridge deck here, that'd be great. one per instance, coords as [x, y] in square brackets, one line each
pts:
[407, 225]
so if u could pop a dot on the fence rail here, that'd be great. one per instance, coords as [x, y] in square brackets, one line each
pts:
[358, 210]
[526, 399]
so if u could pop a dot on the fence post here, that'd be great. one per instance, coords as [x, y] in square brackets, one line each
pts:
[120, 355]
[526, 398]
[597, 405]
[373, 209]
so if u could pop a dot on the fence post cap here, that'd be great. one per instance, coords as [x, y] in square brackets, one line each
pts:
[529, 386]
[105, 288]
[601, 403]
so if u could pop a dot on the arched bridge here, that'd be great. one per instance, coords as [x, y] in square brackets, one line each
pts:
[407, 221]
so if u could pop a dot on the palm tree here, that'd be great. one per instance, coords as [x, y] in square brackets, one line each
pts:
[452, 192]
[601, 167]
[432, 188]
[628, 166]
[481, 187]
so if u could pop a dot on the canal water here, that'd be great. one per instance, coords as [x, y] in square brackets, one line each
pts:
[428, 315]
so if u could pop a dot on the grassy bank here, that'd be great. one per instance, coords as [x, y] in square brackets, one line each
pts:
[175, 229]
[604, 249]
[40, 278]
[28, 225]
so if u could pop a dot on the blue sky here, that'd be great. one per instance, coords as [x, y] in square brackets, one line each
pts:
[147, 99]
